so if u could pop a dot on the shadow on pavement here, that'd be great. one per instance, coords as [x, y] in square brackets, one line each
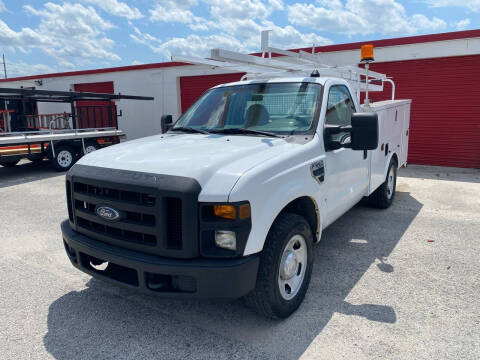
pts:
[105, 321]
[25, 172]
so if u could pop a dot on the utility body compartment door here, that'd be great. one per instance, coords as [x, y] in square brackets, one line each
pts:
[393, 126]
[346, 170]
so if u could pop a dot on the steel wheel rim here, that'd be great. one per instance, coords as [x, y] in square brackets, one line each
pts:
[90, 149]
[390, 182]
[64, 158]
[293, 266]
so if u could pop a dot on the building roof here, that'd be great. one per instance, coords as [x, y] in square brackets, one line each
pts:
[328, 48]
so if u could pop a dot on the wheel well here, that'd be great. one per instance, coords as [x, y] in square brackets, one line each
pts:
[306, 207]
[394, 156]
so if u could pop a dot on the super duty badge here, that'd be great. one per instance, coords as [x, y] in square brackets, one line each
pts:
[318, 171]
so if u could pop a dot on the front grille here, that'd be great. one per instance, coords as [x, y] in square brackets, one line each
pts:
[155, 214]
[137, 224]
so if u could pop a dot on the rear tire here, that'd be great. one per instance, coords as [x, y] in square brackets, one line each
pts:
[64, 158]
[90, 146]
[383, 197]
[285, 268]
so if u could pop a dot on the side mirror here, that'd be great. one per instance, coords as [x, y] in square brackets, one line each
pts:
[364, 131]
[166, 123]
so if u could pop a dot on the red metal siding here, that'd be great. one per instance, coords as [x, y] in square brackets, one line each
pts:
[445, 113]
[92, 114]
[98, 87]
[191, 87]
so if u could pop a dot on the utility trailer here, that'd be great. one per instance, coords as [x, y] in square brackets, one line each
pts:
[24, 133]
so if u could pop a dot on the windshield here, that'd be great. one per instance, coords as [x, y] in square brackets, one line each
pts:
[278, 108]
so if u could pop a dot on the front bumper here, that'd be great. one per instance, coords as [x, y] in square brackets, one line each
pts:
[197, 278]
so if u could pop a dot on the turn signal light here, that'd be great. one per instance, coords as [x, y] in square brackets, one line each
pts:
[367, 53]
[231, 212]
[244, 211]
[225, 211]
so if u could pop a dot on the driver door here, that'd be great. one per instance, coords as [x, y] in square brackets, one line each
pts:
[346, 170]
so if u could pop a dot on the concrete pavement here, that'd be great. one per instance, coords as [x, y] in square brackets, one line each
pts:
[402, 283]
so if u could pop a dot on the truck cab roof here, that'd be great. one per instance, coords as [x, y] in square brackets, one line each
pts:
[319, 80]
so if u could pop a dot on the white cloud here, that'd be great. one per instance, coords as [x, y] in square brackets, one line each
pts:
[420, 22]
[2, 6]
[191, 45]
[239, 22]
[171, 14]
[361, 17]
[241, 9]
[117, 8]
[20, 68]
[462, 24]
[472, 5]
[72, 34]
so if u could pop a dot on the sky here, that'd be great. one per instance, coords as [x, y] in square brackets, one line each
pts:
[39, 36]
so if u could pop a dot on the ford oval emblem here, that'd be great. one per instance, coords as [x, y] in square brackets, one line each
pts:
[107, 213]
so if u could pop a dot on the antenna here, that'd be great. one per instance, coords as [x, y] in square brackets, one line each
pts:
[4, 66]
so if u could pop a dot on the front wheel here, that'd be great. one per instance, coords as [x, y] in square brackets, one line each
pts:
[285, 268]
[382, 198]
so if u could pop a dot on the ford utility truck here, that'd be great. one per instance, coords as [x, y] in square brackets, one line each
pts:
[230, 201]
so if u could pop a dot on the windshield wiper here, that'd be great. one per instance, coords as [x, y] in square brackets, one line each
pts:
[190, 130]
[244, 131]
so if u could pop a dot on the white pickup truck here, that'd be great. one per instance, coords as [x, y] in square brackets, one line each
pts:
[229, 202]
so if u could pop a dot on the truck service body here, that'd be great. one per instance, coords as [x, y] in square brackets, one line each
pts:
[148, 207]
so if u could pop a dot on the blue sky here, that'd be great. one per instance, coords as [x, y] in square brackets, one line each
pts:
[49, 36]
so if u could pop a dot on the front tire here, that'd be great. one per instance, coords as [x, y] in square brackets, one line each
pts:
[285, 268]
[383, 197]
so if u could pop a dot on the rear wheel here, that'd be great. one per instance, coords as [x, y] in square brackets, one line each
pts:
[91, 146]
[285, 268]
[382, 198]
[64, 158]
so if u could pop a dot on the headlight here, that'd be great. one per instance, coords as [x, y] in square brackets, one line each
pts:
[226, 239]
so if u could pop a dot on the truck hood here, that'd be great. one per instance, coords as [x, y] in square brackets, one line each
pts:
[215, 161]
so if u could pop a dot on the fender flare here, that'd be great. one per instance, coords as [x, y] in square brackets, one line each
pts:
[387, 163]
[285, 197]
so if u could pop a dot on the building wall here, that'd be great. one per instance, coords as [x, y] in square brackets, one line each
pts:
[435, 75]
[140, 118]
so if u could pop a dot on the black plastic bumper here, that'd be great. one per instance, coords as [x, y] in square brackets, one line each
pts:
[198, 278]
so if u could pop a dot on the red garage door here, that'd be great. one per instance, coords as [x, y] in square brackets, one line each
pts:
[95, 114]
[191, 87]
[445, 117]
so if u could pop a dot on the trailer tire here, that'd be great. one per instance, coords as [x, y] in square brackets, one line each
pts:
[9, 164]
[64, 158]
[90, 146]
[285, 265]
[383, 197]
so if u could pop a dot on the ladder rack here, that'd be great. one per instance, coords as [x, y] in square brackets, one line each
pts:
[288, 64]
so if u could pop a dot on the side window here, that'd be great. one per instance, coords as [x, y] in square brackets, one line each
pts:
[340, 107]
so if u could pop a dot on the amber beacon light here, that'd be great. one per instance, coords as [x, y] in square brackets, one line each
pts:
[367, 53]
